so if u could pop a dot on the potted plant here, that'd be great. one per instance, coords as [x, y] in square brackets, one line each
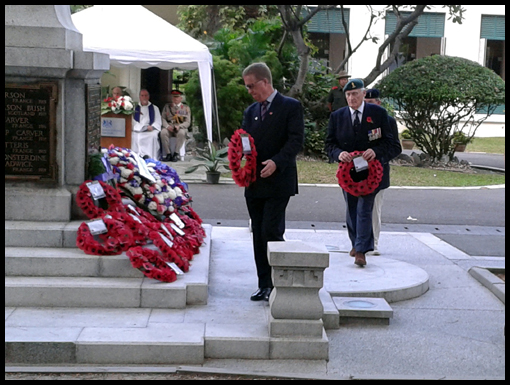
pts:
[212, 160]
[460, 141]
[407, 140]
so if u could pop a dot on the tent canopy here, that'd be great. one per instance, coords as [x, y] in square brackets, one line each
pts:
[145, 40]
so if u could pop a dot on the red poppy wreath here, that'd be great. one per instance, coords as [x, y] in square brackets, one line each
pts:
[114, 242]
[86, 202]
[364, 187]
[243, 176]
[151, 264]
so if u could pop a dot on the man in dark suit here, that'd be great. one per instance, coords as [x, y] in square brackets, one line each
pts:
[373, 96]
[276, 124]
[360, 127]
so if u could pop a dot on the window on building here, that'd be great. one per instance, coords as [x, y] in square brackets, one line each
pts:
[327, 33]
[321, 41]
[492, 34]
[425, 39]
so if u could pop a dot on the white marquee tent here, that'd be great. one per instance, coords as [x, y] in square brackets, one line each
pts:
[145, 40]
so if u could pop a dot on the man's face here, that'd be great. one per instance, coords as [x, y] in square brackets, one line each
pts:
[256, 88]
[144, 98]
[373, 101]
[342, 82]
[176, 99]
[355, 98]
[116, 93]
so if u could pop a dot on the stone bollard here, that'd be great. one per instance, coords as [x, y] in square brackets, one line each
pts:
[295, 326]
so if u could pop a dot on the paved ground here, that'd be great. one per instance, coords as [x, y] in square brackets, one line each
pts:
[455, 330]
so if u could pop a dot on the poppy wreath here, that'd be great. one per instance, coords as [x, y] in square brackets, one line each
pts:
[243, 176]
[151, 264]
[193, 225]
[118, 238]
[139, 228]
[169, 254]
[364, 187]
[184, 245]
[86, 202]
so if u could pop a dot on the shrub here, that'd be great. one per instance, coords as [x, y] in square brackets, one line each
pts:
[440, 95]
[406, 134]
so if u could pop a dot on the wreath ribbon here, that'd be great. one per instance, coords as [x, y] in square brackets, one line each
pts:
[364, 187]
[242, 176]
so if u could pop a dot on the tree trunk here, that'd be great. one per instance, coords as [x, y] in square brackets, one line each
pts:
[304, 54]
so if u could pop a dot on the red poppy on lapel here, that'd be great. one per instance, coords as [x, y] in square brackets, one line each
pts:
[369, 120]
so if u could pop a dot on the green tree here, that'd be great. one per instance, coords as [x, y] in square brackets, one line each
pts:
[231, 95]
[439, 96]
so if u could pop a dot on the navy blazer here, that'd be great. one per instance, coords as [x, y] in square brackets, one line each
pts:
[375, 133]
[279, 137]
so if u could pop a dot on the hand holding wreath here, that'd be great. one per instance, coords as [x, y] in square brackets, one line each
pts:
[364, 187]
[243, 176]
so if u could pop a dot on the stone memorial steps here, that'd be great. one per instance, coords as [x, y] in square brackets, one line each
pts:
[66, 307]
[67, 277]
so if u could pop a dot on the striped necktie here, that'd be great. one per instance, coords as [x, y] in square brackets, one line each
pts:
[263, 109]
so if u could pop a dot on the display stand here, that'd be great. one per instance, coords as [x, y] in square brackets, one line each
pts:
[116, 130]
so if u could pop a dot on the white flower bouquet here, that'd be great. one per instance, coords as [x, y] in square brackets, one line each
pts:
[123, 105]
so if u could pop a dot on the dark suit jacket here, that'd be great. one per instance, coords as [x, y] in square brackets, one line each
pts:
[342, 137]
[279, 137]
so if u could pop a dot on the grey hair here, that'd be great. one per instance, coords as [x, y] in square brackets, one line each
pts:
[260, 71]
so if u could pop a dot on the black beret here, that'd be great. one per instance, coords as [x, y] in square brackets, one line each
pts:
[372, 94]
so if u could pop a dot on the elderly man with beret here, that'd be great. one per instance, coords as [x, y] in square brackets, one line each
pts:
[360, 127]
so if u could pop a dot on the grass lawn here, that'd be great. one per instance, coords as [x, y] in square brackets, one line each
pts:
[316, 172]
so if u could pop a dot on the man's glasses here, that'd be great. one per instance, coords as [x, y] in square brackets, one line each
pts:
[250, 86]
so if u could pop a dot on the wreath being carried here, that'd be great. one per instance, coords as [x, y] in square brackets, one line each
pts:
[243, 176]
[364, 187]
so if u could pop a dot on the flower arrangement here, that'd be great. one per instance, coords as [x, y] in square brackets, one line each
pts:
[161, 197]
[123, 105]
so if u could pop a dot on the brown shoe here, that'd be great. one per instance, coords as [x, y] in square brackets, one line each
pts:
[353, 252]
[360, 259]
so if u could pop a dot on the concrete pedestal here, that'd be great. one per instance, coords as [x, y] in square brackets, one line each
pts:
[295, 326]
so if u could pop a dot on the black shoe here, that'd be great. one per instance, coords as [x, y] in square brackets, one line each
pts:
[261, 294]
[167, 158]
[176, 157]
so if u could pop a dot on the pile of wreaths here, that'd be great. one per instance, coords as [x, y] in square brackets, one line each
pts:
[176, 236]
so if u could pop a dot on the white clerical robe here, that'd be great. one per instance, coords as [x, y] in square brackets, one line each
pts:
[146, 142]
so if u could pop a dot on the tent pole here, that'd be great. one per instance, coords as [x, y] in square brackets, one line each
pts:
[216, 105]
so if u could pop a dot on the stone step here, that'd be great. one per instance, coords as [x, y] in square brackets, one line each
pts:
[363, 310]
[65, 277]
[65, 262]
[93, 292]
[41, 234]
[164, 343]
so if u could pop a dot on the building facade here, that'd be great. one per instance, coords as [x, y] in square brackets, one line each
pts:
[480, 38]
